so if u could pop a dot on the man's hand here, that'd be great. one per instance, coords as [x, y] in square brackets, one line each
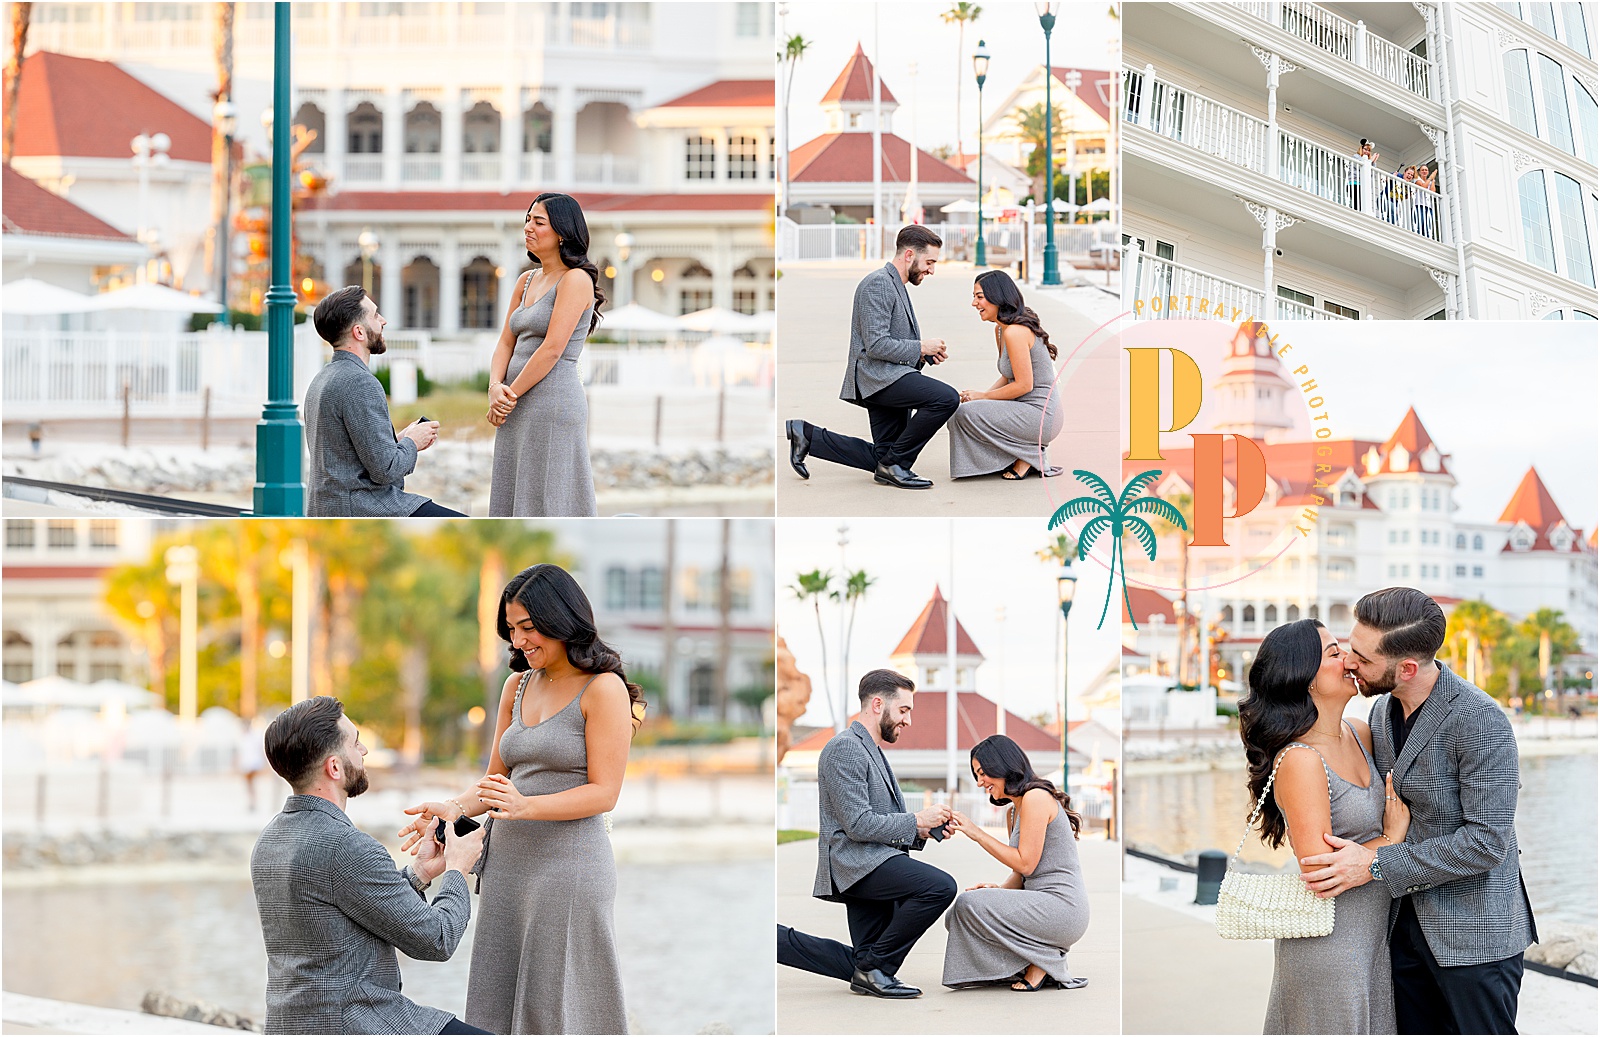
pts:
[461, 851]
[930, 818]
[422, 433]
[430, 856]
[933, 349]
[1346, 868]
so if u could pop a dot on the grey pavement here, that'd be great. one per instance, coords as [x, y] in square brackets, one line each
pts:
[816, 1004]
[813, 340]
[1183, 978]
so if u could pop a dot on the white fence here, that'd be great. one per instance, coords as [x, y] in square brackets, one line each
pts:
[1004, 242]
[1346, 40]
[1196, 121]
[91, 374]
[1159, 289]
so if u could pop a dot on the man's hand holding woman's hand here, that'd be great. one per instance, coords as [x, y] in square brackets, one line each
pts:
[420, 831]
[933, 350]
[929, 818]
[458, 853]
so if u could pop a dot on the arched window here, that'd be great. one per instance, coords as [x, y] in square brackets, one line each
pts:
[1584, 112]
[1558, 123]
[1536, 243]
[1577, 32]
[1519, 92]
[1270, 614]
[1249, 613]
[1574, 230]
[1461, 541]
[1477, 541]
[1227, 614]
[1292, 613]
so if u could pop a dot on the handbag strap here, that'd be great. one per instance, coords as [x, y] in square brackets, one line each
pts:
[1268, 791]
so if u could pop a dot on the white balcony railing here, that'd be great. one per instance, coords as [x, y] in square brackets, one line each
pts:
[1346, 40]
[363, 169]
[479, 168]
[535, 167]
[1195, 121]
[1159, 289]
[1289, 309]
[423, 168]
[605, 169]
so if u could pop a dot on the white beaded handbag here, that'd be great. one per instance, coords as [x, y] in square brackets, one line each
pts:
[1270, 907]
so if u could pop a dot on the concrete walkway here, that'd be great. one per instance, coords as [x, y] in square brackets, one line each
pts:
[813, 341]
[20, 1013]
[1183, 978]
[815, 1004]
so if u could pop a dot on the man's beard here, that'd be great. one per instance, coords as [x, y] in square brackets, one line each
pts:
[376, 344]
[1374, 688]
[914, 275]
[888, 729]
[356, 785]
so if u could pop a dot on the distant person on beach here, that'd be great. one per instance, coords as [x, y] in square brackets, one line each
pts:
[863, 858]
[333, 906]
[358, 464]
[905, 408]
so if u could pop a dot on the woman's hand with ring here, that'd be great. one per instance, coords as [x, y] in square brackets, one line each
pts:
[503, 800]
[422, 827]
[984, 885]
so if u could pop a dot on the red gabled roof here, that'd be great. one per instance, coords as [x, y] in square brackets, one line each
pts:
[489, 201]
[1147, 603]
[927, 633]
[1411, 435]
[1532, 504]
[847, 158]
[975, 721]
[728, 93]
[84, 108]
[1095, 90]
[30, 209]
[855, 82]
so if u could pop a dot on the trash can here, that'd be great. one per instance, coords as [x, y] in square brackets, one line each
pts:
[1213, 864]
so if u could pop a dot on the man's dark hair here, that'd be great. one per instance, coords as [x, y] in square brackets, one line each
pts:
[1412, 623]
[302, 737]
[915, 235]
[887, 683]
[338, 312]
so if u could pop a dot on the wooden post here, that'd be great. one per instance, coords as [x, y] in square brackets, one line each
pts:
[659, 400]
[205, 420]
[127, 412]
[722, 412]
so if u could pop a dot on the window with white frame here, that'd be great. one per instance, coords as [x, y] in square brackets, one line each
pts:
[1477, 572]
[1558, 243]
[20, 533]
[744, 157]
[699, 158]
[747, 22]
[772, 156]
[1570, 28]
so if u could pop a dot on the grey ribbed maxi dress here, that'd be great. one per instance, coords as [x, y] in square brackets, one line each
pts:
[987, 436]
[541, 453]
[544, 958]
[1340, 983]
[995, 934]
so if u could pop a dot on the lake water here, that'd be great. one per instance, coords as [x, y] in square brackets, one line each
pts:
[695, 943]
[1556, 826]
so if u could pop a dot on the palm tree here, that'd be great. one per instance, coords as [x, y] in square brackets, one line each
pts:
[21, 18]
[959, 15]
[1480, 629]
[221, 160]
[855, 588]
[1556, 639]
[794, 48]
[1120, 516]
[1030, 123]
[814, 586]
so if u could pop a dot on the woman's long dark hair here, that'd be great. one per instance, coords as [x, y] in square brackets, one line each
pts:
[1278, 710]
[559, 609]
[566, 219]
[1000, 289]
[1002, 758]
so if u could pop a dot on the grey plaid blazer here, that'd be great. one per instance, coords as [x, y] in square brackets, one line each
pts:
[885, 341]
[333, 909]
[862, 816]
[358, 464]
[1458, 774]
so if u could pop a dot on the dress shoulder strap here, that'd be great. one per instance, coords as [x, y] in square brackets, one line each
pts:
[525, 286]
[1267, 791]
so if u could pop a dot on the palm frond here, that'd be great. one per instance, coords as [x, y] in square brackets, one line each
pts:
[1075, 507]
[1136, 486]
[1160, 508]
[1090, 532]
[1097, 485]
[1144, 534]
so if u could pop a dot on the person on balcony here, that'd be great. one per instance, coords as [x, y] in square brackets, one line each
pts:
[1353, 180]
[358, 463]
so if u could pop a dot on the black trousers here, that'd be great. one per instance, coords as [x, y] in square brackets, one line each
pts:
[1434, 998]
[428, 509]
[903, 417]
[888, 911]
[457, 1026]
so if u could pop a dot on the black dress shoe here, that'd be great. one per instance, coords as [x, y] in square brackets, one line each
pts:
[880, 984]
[898, 475]
[799, 446]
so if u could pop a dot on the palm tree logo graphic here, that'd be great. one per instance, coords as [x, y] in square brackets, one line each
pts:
[1120, 515]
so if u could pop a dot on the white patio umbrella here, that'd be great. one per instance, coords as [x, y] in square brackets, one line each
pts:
[717, 320]
[1099, 205]
[634, 317]
[153, 298]
[130, 695]
[31, 296]
[1062, 205]
[960, 205]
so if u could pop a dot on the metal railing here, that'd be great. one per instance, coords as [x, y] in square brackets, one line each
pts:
[605, 169]
[534, 166]
[1159, 289]
[1405, 204]
[1004, 242]
[1289, 309]
[1318, 170]
[1194, 120]
[1346, 40]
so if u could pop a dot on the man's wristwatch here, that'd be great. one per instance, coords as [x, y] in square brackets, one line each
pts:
[1375, 870]
[416, 880]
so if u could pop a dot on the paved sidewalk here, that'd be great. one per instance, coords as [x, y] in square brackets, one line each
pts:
[815, 1004]
[1183, 978]
[813, 340]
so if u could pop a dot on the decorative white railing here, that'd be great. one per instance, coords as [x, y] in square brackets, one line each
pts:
[1159, 289]
[1345, 40]
[92, 373]
[478, 168]
[363, 169]
[1003, 242]
[1188, 118]
[534, 167]
[427, 168]
[1288, 309]
[606, 169]
[1193, 120]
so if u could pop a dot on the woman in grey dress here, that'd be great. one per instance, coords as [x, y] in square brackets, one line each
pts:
[1020, 930]
[536, 399]
[1339, 983]
[544, 956]
[1007, 428]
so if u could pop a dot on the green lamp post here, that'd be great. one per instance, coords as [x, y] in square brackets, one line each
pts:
[280, 489]
[1052, 269]
[1066, 586]
[980, 67]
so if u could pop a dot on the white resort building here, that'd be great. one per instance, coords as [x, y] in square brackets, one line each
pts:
[437, 123]
[1244, 186]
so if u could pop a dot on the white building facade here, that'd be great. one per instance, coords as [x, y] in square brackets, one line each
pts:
[1242, 123]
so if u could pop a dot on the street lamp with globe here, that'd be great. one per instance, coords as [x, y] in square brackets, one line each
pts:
[980, 69]
[1066, 587]
[226, 118]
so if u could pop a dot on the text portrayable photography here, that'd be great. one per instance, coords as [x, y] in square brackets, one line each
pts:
[229, 746]
[1392, 653]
